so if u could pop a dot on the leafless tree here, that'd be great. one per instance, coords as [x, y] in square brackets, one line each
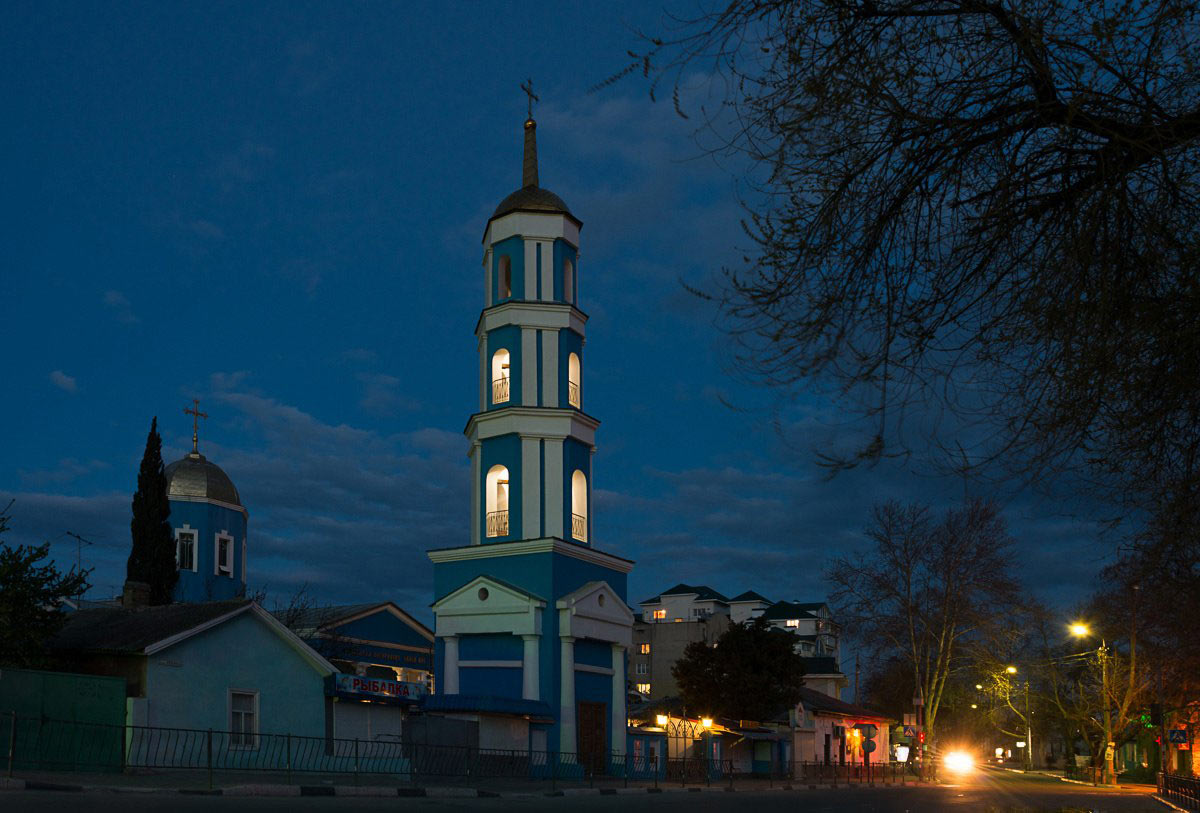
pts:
[986, 210]
[931, 591]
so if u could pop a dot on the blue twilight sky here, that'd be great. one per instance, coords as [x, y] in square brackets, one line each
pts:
[277, 208]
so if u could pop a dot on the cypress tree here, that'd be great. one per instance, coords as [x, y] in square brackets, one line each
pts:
[152, 557]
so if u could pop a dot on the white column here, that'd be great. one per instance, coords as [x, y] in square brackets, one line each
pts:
[529, 669]
[531, 489]
[554, 490]
[531, 274]
[487, 278]
[566, 703]
[547, 271]
[529, 367]
[485, 373]
[619, 723]
[450, 668]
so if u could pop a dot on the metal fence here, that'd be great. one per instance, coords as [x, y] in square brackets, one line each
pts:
[1184, 791]
[43, 744]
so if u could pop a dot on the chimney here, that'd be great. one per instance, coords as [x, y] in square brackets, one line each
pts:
[135, 595]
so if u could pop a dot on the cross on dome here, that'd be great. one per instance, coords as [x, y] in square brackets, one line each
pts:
[196, 416]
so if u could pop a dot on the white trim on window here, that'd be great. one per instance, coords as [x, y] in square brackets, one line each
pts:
[217, 569]
[235, 732]
[188, 529]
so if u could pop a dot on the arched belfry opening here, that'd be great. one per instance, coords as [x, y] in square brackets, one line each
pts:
[496, 491]
[579, 506]
[573, 374]
[500, 376]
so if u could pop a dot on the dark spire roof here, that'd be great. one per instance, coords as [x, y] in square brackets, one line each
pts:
[531, 197]
[197, 476]
[750, 595]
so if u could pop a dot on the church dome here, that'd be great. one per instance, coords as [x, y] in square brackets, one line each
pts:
[197, 476]
[532, 199]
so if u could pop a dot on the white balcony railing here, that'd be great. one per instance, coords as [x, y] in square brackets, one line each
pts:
[579, 527]
[497, 523]
[500, 390]
[573, 394]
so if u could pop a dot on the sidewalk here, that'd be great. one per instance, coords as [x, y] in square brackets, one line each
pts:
[227, 784]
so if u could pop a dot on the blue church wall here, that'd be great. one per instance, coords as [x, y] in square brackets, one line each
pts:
[207, 520]
[568, 342]
[504, 450]
[564, 251]
[514, 249]
[188, 685]
[497, 647]
[593, 688]
[576, 456]
[508, 338]
[593, 653]
[498, 681]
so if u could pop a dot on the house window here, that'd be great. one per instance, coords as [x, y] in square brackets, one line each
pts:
[496, 498]
[659, 614]
[185, 550]
[573, 381]
[579, 506]
[224, 557]
[643, 688]
[243, 719]
[793, 622]
[500, 377]
[505, 277]
[641, 669]
[644, 649]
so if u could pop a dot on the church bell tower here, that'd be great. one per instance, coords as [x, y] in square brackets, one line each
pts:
[531, 440]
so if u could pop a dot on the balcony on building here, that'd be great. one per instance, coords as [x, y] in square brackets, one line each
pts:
[500, 390]
[579, 527]
[497, 523]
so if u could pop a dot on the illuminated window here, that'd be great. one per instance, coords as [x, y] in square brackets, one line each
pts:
[496, 489]
[643, 688]
[573, 381]
[579, 506]
[500, 364]
[659, 614]
[793, 622]
[644, 649]
[505, 281]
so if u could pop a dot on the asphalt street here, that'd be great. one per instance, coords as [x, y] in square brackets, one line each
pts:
[987, 791]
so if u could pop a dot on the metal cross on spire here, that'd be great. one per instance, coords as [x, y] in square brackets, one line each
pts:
[527, 86]
[196, 416]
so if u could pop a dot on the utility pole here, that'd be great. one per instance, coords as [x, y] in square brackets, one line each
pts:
[79, 543]
[1028, 729]
[1108, 740]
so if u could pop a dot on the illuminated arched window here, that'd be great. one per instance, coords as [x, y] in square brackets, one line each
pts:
[579, 509]
[500, 376]
[505, 282]
[573, 381]
[496, 499]
[568, 281]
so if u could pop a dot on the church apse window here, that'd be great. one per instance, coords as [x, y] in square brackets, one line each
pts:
[579, 506]
[185, 550]
[504, 274]
[496, 487]
[573, 375]
[500, 376]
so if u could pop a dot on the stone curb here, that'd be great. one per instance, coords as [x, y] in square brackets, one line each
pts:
[1169, 804]
[377, 791]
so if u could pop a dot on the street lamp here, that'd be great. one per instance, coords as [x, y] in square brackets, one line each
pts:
[1012, 670]
[1028, 744]
[1080, 630]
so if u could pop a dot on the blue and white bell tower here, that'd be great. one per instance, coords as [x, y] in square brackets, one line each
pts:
[531, 441]
[532, 626]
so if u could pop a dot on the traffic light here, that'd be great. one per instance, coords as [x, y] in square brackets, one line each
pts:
[920, 736]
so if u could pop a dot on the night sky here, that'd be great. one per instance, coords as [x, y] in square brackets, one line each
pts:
[277, 208]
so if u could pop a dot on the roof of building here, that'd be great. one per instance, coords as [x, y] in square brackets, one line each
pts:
[121, 630]
[750, 595]
[786, 609]
[196, 476]
[703, 593]
[532, 199]
[489, 704]
[821, 665]
[818, 701]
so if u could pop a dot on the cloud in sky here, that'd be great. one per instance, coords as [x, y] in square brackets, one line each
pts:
[121, 307]
[64, 382]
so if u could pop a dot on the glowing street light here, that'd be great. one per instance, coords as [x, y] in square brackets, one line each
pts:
[706, 722]
[1012, 670]
[661, 719]
[979, 686]
[1080, 630]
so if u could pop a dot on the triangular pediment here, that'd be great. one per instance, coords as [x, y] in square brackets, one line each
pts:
[497, 597]
[597, 600]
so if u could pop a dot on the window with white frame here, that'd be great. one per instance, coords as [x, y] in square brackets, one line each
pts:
[224, 556]
[185, 549]
[243, 719]
[641, 669]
